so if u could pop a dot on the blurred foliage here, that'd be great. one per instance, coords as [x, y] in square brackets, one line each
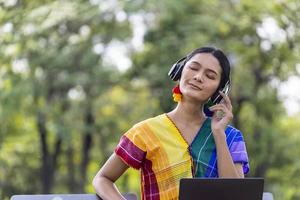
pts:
[65, 101]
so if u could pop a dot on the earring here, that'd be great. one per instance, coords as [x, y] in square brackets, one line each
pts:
[177, 95]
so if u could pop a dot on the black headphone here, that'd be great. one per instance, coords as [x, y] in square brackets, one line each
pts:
[175, 74]
[175, 71]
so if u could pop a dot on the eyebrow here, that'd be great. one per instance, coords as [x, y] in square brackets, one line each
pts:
[197, 63]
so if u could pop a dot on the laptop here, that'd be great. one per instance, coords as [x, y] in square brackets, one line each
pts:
[128, 196]
[221, 189]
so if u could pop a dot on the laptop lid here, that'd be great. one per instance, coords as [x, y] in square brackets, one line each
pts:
[221, 188]
[128, 196]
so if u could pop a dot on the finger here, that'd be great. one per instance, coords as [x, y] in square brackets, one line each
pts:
[218, 107]
[222, 113]
[226, 99]
[222, 108]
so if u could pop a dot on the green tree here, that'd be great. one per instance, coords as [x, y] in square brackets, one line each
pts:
[51, 58]
[63, 107]
[260, 60]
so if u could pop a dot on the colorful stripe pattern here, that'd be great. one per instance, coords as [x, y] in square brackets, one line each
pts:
[157, 148]
[204, 154]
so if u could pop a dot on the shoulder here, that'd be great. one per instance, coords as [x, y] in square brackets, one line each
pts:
[231, 129]
[233, 133]
[138, 133]
[144, 126]
[150, 121]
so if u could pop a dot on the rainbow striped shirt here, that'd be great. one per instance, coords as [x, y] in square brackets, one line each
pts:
[157, 148]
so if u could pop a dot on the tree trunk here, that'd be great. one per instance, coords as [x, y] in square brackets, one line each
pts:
[45, 168]
[86, 146]
[54, 158]
[49, 162]
[72, 184]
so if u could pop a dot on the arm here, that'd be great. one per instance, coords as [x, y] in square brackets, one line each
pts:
[226, 166]
[104, 180]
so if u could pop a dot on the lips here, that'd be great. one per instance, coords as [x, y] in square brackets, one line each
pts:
[195, 86]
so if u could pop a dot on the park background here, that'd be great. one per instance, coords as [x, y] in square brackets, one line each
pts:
[75, 75]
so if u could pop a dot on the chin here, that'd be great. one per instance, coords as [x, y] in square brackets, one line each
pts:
[195, 97]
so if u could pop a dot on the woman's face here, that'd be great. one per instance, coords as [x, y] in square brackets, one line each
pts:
[200, 77]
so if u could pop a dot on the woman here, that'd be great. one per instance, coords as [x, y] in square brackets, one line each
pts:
[193, 140]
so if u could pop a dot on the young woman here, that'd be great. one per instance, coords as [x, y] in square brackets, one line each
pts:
[193, 140]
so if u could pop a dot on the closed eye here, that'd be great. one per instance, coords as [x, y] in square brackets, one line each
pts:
[193, 67]
[211, 76]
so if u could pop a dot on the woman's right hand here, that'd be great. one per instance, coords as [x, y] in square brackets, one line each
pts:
[104, 180]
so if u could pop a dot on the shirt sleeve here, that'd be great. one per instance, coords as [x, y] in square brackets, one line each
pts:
[131, 148]
[238, 150]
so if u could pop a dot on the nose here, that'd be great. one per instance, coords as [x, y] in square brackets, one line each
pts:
[198, 77]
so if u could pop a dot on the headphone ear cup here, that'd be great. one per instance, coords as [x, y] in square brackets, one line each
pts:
[175, 71]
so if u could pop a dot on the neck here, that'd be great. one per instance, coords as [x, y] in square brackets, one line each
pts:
[188, 112]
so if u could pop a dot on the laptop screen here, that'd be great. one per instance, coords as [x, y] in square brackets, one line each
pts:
[221, 188]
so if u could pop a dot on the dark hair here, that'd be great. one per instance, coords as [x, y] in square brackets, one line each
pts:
[220, 56]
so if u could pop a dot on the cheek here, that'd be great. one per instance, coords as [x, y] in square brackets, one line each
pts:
[213, 86]
[184, 78]
[185, 74]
